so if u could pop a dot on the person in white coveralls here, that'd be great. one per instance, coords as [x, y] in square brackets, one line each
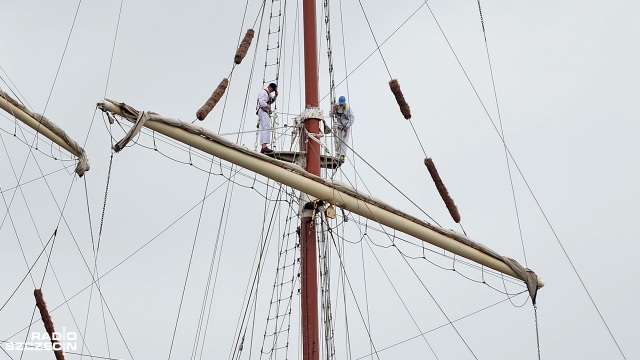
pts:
[263, 110]
[344, 120]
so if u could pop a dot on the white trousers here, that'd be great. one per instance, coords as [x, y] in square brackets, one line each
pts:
[265, 127]
[343, 140]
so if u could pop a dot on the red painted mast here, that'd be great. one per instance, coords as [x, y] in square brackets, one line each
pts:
[308, 248]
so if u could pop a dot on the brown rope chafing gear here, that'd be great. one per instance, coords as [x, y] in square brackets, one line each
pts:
[48, 323]
[404, 107]
[244, 47]
[448, 201]
[213, 99]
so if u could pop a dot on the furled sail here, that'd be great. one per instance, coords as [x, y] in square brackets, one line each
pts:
[327, 191]
[47, 128]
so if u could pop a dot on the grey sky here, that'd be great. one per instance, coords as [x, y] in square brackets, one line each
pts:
[567, 82]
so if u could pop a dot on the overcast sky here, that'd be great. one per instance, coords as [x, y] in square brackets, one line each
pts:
[567, 85]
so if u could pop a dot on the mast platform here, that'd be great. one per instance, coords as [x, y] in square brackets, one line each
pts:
[326, 161]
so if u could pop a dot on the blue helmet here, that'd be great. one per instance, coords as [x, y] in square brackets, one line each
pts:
[342, 100]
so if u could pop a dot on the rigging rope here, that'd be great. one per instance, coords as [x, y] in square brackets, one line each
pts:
[36, 228]
[239, 54]
[66, 45]
[332, 86]
[439, 252]
[104, 203]
[94, 281]
[374, 50]
[251, 292]
[374, 38]
[324, 258]
[59, 220]
[424, 286]
[13, 86]
[193, 246]
[341, 281]
[273, 60]
[495, 95]
[26, 131]
[283, 265]
[441, 326]
[450, 322]
[216, 255]
[405, 109]
[27, 274]
[373, 168]
[348, 282]
[428, 291]
[511, 157]
[400, 297]
[393, 84]
[364, 279]
[8, 214]
[535, 312]
[209, 172]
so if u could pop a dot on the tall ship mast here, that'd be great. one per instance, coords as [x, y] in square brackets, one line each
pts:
[317, 193]
[185, 239]
[308, 243]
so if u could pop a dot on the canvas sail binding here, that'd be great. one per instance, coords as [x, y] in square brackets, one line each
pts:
[47, 128]
[325, 191]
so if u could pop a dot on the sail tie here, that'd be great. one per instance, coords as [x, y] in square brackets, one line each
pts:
[143, 116]
[527, 275]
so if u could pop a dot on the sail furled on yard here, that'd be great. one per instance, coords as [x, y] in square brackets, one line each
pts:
[328, 191]
[47, 128]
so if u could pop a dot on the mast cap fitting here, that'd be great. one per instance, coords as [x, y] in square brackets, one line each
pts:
[311, 112]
